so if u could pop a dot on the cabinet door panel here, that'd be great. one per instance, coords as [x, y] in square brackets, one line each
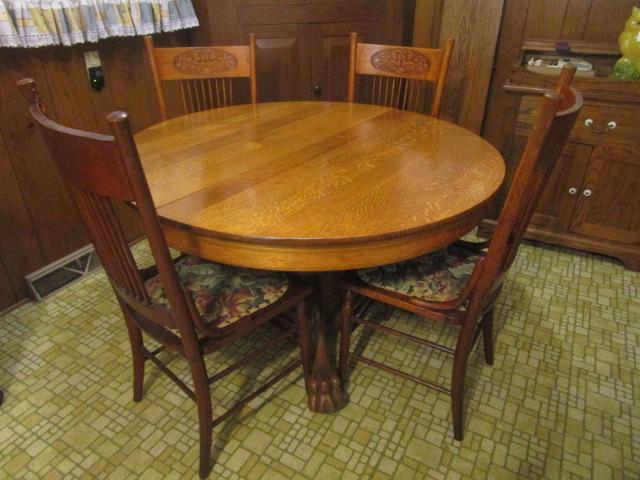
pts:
[330, 50]
[283, 61]
[612, 210]
[557, 204]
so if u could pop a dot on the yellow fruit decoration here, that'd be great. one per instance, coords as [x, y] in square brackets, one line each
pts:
[628, 67]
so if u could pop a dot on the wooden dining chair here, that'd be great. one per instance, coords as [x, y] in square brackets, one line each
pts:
[190, 306]
[460, 284]
[398, 74]
[205, 74]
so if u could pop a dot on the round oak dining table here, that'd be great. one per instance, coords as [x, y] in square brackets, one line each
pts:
[316, 187]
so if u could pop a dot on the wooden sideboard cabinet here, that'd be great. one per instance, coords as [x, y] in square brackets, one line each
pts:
[303, 45]
[592, 201]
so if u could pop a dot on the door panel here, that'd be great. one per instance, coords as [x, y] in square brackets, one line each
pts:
[612, 210]
[558, 200]
[283, 61]
[330, 50]
[557, 204]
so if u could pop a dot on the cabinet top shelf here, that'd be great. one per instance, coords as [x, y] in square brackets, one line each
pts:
[598, 87]
[576, 47]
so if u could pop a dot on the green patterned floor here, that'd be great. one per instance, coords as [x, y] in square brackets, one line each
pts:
[561, 402]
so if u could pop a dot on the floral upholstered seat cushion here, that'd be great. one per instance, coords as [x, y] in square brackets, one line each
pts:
[223, 294]
[436, 277]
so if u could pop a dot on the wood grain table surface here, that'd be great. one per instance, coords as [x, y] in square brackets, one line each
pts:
[316, 186]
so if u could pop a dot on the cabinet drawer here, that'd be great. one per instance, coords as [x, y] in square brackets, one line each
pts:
[597, 123]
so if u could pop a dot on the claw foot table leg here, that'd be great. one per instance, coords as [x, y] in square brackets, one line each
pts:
[324, 390]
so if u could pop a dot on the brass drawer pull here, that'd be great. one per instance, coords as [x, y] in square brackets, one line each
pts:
[611, 125]
[587, 193]
[588, 122]
[573, 191]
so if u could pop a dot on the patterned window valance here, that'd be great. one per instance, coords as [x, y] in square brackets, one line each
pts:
[36, 23]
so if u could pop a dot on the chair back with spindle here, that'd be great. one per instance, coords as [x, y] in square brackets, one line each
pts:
[556, 119]
[205, 74]
[99, 170]
[398, 74]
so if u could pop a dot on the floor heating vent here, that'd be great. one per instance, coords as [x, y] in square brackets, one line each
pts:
[61, 273]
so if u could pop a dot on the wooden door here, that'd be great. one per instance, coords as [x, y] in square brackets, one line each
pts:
[283, 61]
[330, 56]
[559, 199]
[609, 200]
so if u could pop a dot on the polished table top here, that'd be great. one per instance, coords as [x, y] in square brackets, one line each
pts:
[316, 185]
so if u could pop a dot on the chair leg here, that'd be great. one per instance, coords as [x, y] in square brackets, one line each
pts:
[205, 413]
[487, 336]
[137, 354]
[346, 328]
[463, 348]
[305, 341]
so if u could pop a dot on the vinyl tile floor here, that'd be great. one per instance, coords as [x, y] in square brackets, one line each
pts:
[561, 402]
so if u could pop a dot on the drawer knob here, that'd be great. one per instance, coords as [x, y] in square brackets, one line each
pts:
[588, 122]
[587, 193]
[573, 191]
[611, 125]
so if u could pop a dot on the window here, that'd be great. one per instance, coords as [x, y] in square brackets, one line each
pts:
[36, 23]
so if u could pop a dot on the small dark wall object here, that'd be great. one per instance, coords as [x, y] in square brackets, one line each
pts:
[1, 397]
[96, 78]
[563, 48]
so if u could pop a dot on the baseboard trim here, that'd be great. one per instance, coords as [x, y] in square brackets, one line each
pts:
[628, 254]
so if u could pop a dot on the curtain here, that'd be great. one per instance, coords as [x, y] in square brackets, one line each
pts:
[36, 23]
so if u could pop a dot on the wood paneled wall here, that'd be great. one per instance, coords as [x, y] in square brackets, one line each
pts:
[38, 223]
[588, 20]
[474, 25]
[426, 23]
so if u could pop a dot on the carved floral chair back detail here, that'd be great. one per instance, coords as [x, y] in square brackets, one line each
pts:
[205, 61]
[400, 61]
[205, 75]
[398, 74]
